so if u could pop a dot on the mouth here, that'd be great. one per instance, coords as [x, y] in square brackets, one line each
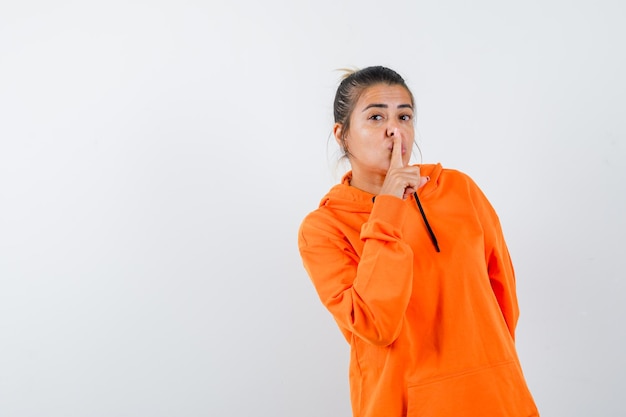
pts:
[391, 149]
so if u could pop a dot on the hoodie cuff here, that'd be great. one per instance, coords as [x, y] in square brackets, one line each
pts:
[386, 218]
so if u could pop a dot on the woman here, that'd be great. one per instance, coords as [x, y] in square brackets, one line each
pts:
[411, 262]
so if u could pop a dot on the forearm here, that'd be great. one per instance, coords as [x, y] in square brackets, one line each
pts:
[367, 292]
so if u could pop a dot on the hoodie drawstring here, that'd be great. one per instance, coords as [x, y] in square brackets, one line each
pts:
[430, 231]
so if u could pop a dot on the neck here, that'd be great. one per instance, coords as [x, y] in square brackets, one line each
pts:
[371, 183]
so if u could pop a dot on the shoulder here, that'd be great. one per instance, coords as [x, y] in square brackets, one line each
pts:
[457, 175]
[322, 223]
[448, 178]
[457, 182]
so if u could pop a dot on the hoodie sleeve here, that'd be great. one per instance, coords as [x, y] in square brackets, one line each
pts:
[367, 295]
[499, 265]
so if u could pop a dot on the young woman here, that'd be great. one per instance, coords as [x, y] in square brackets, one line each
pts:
[411, 262]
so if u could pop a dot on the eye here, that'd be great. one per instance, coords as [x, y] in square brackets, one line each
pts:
[406, 117]
[376, 117]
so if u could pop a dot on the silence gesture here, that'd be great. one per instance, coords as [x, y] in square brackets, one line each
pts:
[401, 181]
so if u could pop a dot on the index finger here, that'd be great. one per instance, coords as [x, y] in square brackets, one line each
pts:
[396, 151]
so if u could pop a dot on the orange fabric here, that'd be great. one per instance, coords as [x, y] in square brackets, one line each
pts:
[431, 334]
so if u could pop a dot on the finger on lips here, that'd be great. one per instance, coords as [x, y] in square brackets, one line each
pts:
[396, 151]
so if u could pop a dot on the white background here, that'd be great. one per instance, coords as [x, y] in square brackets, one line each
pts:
[157, 157]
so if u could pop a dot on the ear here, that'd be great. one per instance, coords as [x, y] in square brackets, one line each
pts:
[337, 131]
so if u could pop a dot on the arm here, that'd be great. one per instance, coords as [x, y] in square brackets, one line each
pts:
[499, 265]
[502, 279]
[367, 295]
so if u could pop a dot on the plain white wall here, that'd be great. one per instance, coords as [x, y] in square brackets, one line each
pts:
[156, 159]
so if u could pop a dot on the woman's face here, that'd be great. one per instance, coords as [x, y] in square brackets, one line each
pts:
[382, 112]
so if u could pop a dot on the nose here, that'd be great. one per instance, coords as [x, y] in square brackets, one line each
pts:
[391, 129]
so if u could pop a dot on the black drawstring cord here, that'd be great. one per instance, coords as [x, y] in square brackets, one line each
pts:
[430, 231]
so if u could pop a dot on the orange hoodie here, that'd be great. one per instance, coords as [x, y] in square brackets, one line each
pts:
[431, 333]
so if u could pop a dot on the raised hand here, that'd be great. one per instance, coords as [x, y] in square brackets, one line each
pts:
[401, 181]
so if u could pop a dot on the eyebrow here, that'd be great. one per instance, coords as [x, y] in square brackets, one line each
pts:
[384, 106]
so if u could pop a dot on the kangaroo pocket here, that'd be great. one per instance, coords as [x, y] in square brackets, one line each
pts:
[498, 390]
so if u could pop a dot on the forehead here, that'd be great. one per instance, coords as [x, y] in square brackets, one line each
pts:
[384, 94]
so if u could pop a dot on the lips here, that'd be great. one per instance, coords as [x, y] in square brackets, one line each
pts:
[403, 149]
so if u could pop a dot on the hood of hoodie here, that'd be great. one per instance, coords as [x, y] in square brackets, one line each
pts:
[347, 198]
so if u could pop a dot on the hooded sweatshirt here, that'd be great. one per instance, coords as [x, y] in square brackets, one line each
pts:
[431, 333]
